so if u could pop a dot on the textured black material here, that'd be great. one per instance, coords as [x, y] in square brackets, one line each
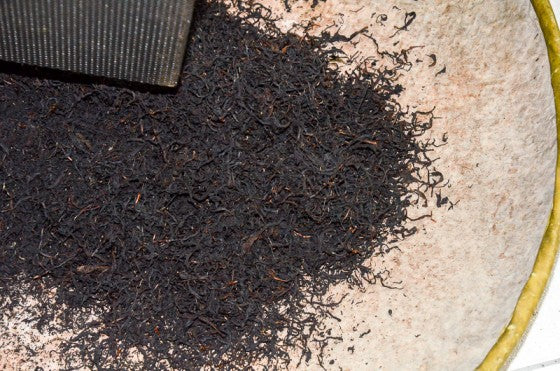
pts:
[206, 227]
[136, 40]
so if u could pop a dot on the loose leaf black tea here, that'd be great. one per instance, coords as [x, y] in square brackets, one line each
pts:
[288, 4]
[202, 227]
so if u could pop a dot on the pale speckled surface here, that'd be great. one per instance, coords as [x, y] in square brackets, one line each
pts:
[462, 273]
[540, 346]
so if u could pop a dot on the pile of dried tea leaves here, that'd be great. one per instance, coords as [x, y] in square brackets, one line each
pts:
[200, 225]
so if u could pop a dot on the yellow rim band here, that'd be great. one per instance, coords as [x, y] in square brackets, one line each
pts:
[532, 292]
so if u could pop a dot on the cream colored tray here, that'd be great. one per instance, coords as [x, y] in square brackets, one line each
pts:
[476, 273]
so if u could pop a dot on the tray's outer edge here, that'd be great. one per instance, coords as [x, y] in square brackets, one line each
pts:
[532, 291]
